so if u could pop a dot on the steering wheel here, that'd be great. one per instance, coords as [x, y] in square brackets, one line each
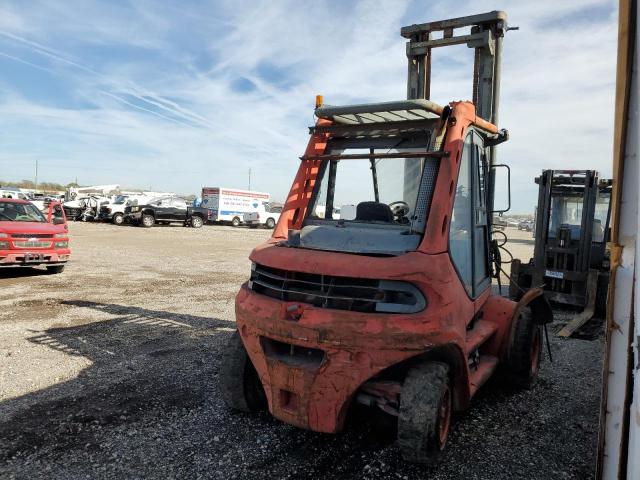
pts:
[400, 209]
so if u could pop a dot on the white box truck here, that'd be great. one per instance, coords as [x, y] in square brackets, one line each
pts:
[230, 204]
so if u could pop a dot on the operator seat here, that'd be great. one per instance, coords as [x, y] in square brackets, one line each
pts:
[374, 212]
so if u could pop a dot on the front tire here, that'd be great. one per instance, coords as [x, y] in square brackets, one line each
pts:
[525, 351]
[118, 219]
[270, 224]
[196, 222]
[235, 222]
[147, 221]
[240, 385]
[426, 406]
[53, 269]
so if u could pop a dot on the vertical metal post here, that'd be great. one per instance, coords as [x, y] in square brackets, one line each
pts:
[36, 180]
[419, 71]
[331, 189]
[498, 35]
[542, 226]
[374, 174]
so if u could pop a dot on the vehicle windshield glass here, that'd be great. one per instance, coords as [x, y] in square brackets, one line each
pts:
[381, 191]
[565, 211]
[120, 200]
[20, 212]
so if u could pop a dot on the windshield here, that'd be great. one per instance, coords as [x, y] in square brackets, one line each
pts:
[376, 190]
[566, 211]
[20, 212]
[120, 200]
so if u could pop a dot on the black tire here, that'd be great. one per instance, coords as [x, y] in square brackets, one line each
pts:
[426, 406]
[118, 219]
[235, 222]
[53, 269]
[196, 221]
[147, 221]
[270, 223]
[239, 383]
[525, 351]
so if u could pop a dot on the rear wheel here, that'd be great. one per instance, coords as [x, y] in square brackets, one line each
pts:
[147, 221]
[52, 269]
[271, 223]
[235, 222]
[239, 381]
[525, 351]
[118, 219]
[426, 405]
[196, 222]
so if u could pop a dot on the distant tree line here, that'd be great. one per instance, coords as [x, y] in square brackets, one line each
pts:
[49, 186]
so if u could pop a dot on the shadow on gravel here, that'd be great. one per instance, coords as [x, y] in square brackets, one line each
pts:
[141, 359]
[19, 272]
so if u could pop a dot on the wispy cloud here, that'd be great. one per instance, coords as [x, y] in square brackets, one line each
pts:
[176, 96]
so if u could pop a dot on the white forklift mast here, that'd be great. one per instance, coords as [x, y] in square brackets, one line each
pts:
[619, 436]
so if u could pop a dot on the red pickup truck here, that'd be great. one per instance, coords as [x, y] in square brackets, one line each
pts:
[29, 238]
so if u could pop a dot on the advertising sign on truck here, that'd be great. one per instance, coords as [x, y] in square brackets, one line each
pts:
[230, 204]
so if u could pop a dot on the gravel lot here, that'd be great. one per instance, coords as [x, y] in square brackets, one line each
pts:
[109, 370]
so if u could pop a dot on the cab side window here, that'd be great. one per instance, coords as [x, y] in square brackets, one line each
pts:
[57, 212]
[461, 226]
[179, 203]
[469, 227]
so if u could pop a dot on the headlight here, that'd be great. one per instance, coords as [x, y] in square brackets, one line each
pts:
[3, 235]
[62, 244]
[4, 245]
[135, 209]
[61, 235]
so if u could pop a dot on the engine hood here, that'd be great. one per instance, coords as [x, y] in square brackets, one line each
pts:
[31, 227]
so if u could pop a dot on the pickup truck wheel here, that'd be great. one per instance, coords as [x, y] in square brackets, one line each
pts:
[240, 385]
[235, 222]
[270, 224]
[118, 219]
[425, 412]
[196, 222]
[147, 221]
[55, 269]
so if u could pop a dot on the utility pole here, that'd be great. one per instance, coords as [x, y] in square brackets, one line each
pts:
[36, 180]
[249, 179]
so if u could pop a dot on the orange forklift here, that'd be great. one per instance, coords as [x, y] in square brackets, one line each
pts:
[376, 286]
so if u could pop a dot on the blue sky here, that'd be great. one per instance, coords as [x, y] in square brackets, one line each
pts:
[177, 95]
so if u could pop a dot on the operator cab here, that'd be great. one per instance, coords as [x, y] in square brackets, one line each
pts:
[375, 181]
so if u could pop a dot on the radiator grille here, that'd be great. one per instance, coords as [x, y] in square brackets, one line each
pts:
[342, 293]
[32, 244]
[31, 235]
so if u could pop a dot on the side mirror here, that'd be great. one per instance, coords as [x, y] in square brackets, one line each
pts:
[58, 221]
[494, 177]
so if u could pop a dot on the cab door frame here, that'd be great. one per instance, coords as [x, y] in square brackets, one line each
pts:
[470, 254]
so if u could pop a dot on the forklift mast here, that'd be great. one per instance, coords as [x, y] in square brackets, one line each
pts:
[485, 37]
